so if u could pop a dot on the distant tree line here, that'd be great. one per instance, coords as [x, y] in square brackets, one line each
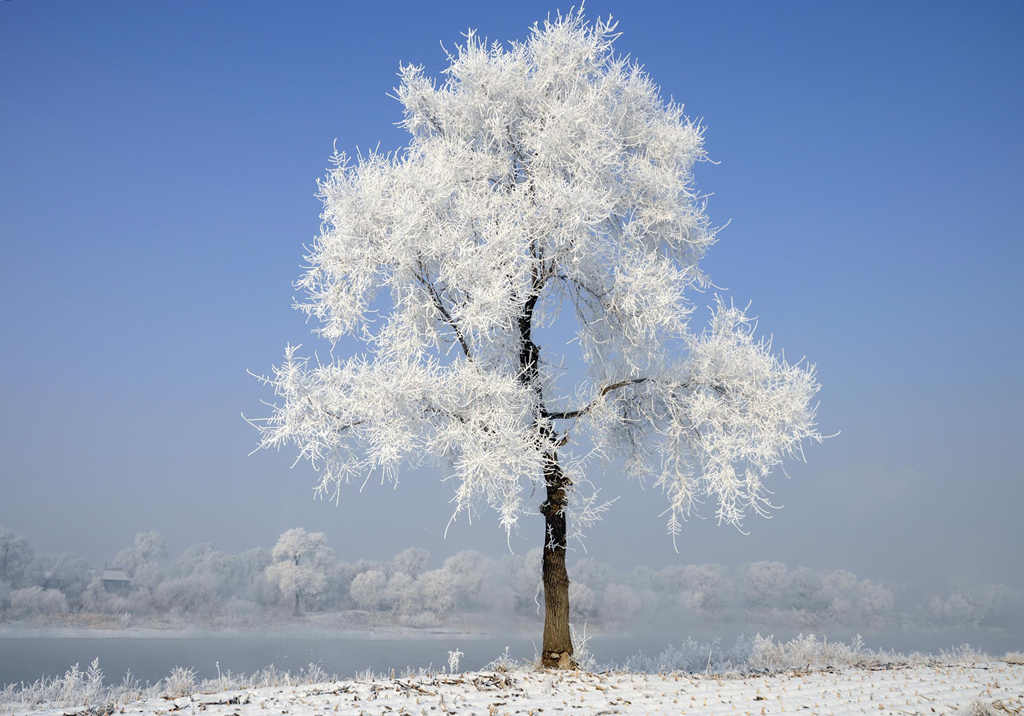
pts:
[301, 575]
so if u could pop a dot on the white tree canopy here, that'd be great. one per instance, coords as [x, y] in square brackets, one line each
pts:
[301, 560]
[540, 175]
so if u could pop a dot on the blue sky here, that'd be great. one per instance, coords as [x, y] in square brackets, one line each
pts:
[157, 187]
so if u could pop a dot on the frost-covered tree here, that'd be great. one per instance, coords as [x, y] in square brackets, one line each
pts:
[412, 561]
[143, 559]
[367, 589]
[542, 178]
[67, 573]
[15, 557]
[33, 601]
[301, 562]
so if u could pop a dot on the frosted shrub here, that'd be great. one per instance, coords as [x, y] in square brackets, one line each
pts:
[503, 663]
[38, 601]
[180, 682]
[963, 654]
[93, 689]
[695, 656]
[191, 595]
[314, 674]
[453, 660]
[420, 619]
[75, 688]
[242, 611]
[806, 652]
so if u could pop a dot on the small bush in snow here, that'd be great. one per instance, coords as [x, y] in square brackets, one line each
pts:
[453, 660]
[180, 682]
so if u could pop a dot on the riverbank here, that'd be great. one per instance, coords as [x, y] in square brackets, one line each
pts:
[898, 689]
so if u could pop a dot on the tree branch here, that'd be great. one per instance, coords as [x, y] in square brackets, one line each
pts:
[439, 305]
[568, 414]
[334, 415]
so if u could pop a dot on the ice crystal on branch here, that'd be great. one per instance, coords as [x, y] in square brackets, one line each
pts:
[543, 175]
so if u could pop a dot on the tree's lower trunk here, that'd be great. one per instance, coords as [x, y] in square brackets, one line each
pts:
[557, 650]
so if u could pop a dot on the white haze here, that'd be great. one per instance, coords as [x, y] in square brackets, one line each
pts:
[255, 588]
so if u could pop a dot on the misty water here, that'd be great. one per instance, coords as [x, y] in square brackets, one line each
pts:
[26, 657]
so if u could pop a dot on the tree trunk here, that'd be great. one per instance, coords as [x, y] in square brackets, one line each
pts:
[298, 592]
[557, 650]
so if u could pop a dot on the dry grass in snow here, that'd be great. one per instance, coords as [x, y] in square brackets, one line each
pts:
[994, 687]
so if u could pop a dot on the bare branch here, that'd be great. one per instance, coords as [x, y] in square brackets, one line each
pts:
[568, 414]
[439, 305]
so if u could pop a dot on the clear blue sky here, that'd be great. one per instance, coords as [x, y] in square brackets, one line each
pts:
[157, 187]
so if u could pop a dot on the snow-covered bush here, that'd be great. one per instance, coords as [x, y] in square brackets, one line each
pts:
[420, 620]
[241, 612]
[67, 573]
[192, 595]
[805, 652]
[180, 682]
[36, 601]
[695, 656]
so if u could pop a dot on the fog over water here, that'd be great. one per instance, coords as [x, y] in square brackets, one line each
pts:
[261, 606]
[157, 193]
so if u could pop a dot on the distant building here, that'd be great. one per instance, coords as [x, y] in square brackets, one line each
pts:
[116, 581]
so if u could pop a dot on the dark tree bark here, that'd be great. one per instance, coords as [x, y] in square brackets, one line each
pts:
[298, 592]
[557, 648]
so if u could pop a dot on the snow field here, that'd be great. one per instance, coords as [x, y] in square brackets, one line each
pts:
[990, 687]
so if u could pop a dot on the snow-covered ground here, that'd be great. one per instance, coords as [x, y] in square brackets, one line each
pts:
[957, 688]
